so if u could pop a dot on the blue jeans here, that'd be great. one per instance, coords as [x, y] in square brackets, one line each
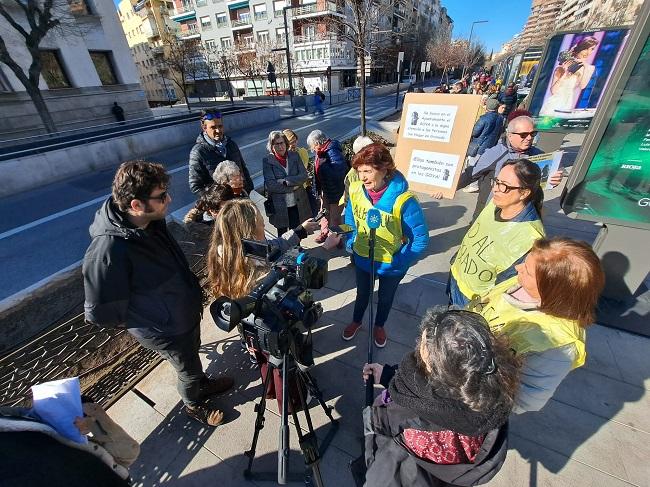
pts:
[455, 296]
[387, 289]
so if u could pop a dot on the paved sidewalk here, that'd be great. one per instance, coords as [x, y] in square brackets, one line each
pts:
[595, 430]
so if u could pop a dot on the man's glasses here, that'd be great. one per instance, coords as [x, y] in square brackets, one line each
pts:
[502, 187]
[211, 116]
[524, 135]
[162, 197]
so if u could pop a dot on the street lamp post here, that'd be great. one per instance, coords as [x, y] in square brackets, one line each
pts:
[469, 42]
[288, 54]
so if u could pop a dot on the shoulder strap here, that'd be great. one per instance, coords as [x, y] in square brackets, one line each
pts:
[399, 203]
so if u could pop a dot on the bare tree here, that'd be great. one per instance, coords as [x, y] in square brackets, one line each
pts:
[33, 20]
[178, 62]
[445, 54]
[364, 19]
[250, 64]
[225, 63]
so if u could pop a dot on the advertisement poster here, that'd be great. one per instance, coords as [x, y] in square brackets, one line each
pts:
[528, 69]
[514, 69]
[573, 78]
[617, 183]
[549, 163]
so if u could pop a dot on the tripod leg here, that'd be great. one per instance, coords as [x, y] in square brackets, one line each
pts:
[283, 450]
[259, 419]
[313, 389]
[308, 442]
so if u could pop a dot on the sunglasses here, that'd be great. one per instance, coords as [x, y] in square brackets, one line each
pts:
[162, 197]
[524, 135]
[212, 116]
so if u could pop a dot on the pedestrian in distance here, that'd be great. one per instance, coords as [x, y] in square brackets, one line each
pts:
[319, 98]
[330, 168]
[303, 153]
[137, 277]
[485, 134]
[502, 235]
[284, 179]
[212, 147]
[509, 98]
[543, 311]
[443, 417]
[118, 113]
[401, 237]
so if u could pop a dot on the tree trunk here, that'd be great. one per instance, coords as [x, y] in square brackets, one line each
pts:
[254, 85]
[42, 109]
[362, 98]
[232, 102]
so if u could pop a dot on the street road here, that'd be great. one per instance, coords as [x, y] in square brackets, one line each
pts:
[45, 231]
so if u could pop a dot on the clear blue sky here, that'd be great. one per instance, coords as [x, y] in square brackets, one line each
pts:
[505, 19]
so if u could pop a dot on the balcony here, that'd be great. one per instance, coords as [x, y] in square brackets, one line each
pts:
[191, 32]
[260, 16]
[158, 51]
[185, 11]
[222, 23]
[316, 10]
[201, 3]
[241, 24]
[206, 27]
[308, 39]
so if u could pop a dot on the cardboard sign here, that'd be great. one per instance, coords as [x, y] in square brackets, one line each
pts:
[433, 139]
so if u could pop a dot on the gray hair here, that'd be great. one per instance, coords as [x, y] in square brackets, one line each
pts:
[316, 137]
[274, 134]
[516, 120]
[225, 171]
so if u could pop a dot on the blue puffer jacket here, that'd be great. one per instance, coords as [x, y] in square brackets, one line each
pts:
[414, 229]
[487, 130]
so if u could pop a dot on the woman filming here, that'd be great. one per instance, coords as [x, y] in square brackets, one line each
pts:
[501, 235]
[400, 239]
[230, 273]
[543, 311]
[284, 176]
[444, 413]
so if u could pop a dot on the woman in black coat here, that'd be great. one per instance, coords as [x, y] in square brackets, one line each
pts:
[443, 417]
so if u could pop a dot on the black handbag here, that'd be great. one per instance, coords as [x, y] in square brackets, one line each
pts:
[269, 207]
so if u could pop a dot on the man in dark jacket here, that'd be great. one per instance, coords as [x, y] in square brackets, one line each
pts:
[136, 277]
[487, 129]
[330, 170]
[211, 148]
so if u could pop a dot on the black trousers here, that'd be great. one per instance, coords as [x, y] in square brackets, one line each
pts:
[484, 180]
[294, 220]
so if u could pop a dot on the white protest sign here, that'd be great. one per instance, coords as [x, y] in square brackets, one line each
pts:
[430, 122]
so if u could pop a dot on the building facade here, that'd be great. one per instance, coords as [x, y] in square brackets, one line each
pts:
[144, 23]
[312, 31]
[86, 68]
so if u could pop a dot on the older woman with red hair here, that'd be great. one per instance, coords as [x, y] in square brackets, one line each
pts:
[544, 311]
[400, 239]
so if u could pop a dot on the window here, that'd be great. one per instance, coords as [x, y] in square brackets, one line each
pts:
[79, 7]
[206, 23]
[53, 72]
[278, 5]
[222, 20]
[279, 35]
[211, 44]
[263, 37]
[104, 67]
[309, 31]
[260, 11]
[226, 42]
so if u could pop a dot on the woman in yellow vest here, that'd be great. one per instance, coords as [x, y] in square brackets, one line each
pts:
[544, 311]
[400, 239]
[501, 235]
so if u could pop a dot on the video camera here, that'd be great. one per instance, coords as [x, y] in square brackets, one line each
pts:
[277, 312]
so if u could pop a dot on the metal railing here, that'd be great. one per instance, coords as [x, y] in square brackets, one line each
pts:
[329, 7]
[185, 8]
[261, 15]
[240, 22]
[315, 37]
[190, 31]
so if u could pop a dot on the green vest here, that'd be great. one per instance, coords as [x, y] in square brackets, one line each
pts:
[489, 248]
[389, 238]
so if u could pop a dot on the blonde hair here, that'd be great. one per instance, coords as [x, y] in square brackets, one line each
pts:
[230, 272]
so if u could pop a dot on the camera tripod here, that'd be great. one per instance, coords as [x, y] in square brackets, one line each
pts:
[307, 441]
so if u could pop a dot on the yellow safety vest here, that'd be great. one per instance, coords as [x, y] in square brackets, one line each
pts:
[489, 248]
[389, 238]
[529, 330]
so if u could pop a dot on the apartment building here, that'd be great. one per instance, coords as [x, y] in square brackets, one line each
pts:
[313, 34]
[86, 68]
[144, 23]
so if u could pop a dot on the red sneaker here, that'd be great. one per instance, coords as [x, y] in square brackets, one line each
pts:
[351, 330]
[380, 336]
